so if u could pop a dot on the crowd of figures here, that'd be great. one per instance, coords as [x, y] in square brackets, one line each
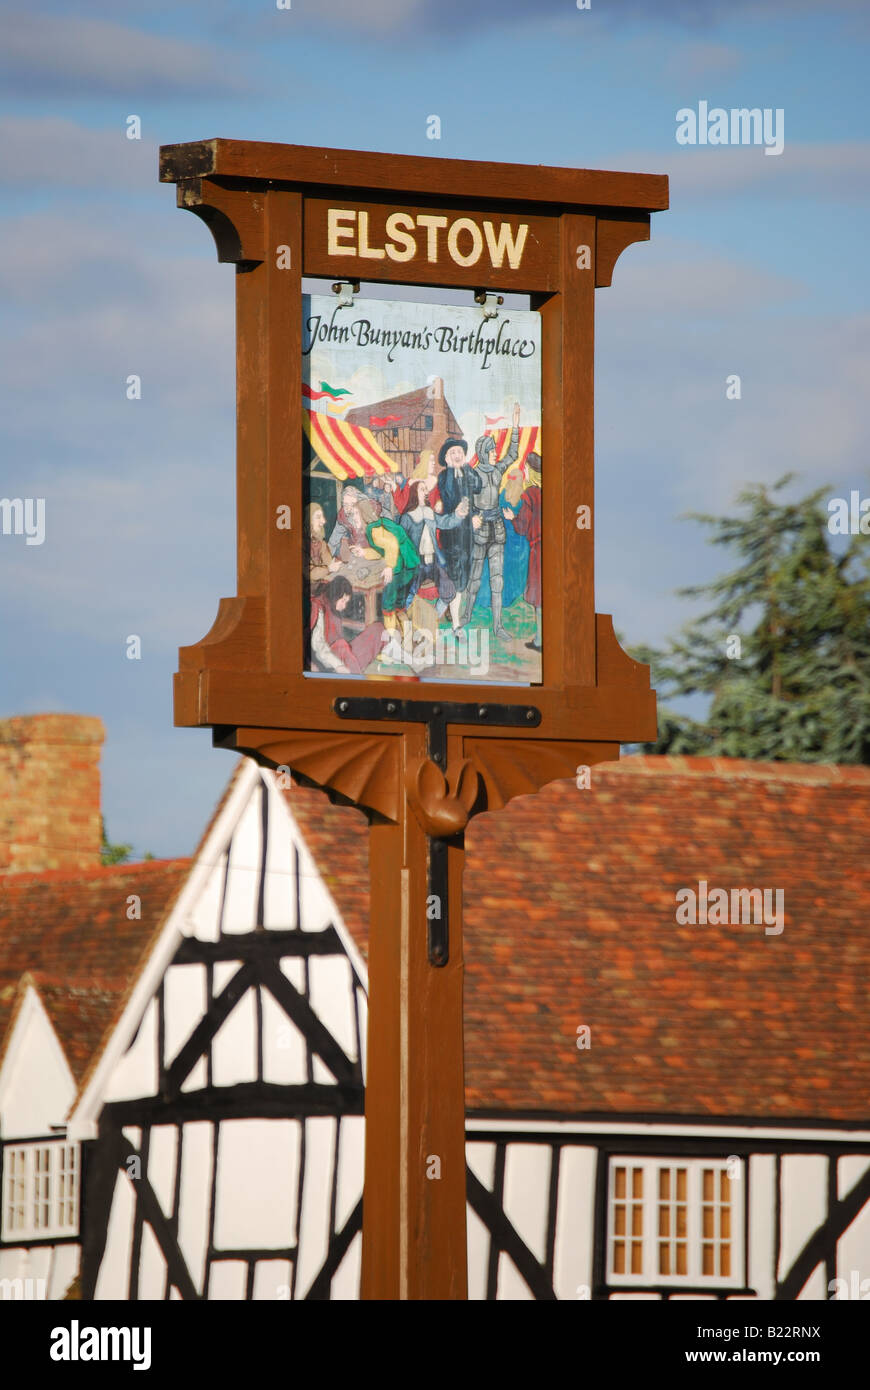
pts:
[425, 538]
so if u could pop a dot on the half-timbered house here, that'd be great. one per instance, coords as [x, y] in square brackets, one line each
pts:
[407, 424]
[224, 1110]
[69, 943]
[71, 935]
[660, 1107]
[657, 1108]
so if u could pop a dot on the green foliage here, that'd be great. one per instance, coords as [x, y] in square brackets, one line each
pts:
[112, 854]
[800, 689]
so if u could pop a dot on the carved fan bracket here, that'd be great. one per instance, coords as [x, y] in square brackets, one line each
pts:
[442, 804]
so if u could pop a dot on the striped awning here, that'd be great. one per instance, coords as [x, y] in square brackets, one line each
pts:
[530, 443]
[348, 451]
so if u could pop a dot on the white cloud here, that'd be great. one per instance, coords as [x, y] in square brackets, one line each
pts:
[675, 339]
[94, 57]
[60, 153]
[103, 294]
[686, 279]
[838, 170]
[703, 58]
[377, 16]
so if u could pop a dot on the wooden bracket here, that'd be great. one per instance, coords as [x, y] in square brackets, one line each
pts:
[613, 234]
[234, 216]
[442, 804]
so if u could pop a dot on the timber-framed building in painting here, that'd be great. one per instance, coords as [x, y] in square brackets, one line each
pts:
[408, 425]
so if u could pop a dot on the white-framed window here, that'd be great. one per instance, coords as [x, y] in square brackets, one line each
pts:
[675, 1222]
[40, 1195]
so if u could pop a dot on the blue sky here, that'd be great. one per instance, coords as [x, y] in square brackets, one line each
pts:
[759, 268]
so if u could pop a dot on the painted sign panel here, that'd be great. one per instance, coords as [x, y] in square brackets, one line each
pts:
[380, 241]
[423, 480]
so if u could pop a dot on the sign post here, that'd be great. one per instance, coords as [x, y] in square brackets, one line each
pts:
[414, 628]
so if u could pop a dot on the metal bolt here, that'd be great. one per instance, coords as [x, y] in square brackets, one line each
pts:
[436, 709]
[436, 757]
[530, 714]
[482, 712]
[343, 706]
[391, 708]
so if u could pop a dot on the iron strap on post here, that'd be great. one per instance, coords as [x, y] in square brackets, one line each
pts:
[436, 715]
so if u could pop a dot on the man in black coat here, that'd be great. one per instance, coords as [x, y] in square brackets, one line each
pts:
[456, 481]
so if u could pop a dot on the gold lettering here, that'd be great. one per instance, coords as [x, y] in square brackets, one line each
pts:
[432, 225]
[505, 241]
[465, 224]
[399, 224]
[336, 218]
[347, 234]
[370, 253]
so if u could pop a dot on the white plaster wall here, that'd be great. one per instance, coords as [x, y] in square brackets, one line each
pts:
[36, 1084]
[762, 1209]
[234, 1049]
[135, 1074]
[853, 1250]
[480, 1158]
[228, 1280]
[351, 1166]
[184, 1005]
[511, 1285]
[284, 1053]
[271, 1280]
[331, 998]
[526, 1190]
[152, 1267]
[804, 1203]
[193, 1202]
[203, 916]
[243, 878]
[64, 1268]
[477, 1238]
[258, 1175]
[161, 1165]
[279, 898]
[315, 902]
[572, 1264]
[113, 1280]
[316, 1196]
[345, 1285]
[46, 1271]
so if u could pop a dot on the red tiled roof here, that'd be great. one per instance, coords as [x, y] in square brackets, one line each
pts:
[409, 406]
[71, 930]
[570, 919]
[337, 837]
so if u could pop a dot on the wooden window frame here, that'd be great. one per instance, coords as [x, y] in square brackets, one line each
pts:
[40, 1194]
[649, 1276]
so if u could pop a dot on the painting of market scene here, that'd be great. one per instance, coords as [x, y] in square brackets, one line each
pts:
[423, 476]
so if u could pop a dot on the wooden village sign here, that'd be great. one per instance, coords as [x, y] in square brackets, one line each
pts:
[374, 540]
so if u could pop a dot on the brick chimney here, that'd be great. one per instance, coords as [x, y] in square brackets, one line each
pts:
[50, 792]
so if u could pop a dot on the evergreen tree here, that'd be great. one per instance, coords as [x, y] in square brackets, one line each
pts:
[784, 652]
[112, 854]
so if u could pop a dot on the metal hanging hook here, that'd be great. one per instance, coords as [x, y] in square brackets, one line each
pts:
[488, 302]
[345, 289]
